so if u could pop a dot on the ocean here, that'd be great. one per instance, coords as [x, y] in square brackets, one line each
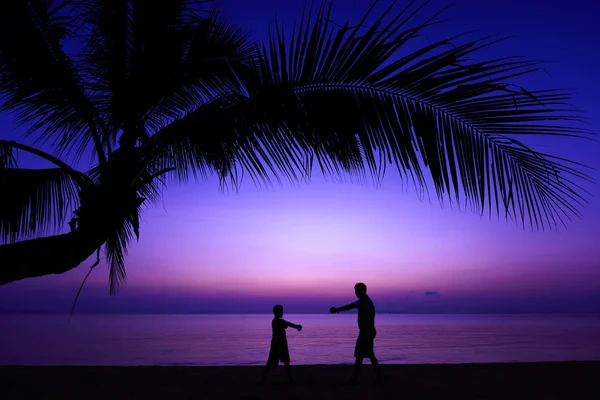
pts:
[203, 339]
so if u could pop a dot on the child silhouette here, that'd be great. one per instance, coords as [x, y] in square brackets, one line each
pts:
[279, 346]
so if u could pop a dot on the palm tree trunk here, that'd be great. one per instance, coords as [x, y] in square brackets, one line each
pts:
[48, 255]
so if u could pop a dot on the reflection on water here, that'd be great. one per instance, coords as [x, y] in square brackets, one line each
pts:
[326, 339]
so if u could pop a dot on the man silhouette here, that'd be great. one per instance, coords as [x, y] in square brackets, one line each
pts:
[367, 332]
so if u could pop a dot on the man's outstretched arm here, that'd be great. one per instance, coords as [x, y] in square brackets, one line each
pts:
[347, 307]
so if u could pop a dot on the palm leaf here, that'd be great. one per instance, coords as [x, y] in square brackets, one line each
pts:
[201, 143]
[345, 93]
[152, 61]
[7, 156]
[189, 94]
[39, 82]
[116, 245]
[122, 188]
[34, 202]
[214, 53]
[115, 208]
[343, 96]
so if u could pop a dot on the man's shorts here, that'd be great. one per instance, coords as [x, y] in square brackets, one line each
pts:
[364, 344]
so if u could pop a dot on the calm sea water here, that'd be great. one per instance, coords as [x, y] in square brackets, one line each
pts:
[326, 339]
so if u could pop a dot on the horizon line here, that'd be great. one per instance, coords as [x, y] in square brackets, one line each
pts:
[8, 312]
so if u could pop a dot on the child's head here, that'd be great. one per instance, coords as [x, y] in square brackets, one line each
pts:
[278, 310]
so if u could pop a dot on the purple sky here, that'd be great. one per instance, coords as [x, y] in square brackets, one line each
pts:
[306, 247]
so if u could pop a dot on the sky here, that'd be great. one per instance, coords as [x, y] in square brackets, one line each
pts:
[202, 250]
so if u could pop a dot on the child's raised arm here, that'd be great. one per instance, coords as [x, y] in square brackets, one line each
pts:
[289, 324]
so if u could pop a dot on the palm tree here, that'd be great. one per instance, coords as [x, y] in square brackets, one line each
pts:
[155, 90]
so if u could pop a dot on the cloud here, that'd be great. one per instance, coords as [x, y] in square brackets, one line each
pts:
[431, 293]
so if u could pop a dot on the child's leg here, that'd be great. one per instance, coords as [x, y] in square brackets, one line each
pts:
[288, 369]
[265, 371]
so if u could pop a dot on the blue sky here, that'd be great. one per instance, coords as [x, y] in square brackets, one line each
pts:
[202, 250]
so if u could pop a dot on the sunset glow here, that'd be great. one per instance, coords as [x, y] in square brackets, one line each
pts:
[306, 247]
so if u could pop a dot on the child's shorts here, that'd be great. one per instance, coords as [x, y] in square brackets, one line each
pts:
[279, 352]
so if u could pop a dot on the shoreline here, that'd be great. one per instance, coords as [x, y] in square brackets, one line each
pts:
[569, 379]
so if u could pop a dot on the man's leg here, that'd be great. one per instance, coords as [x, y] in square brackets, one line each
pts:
[357, 365]
[375, 364]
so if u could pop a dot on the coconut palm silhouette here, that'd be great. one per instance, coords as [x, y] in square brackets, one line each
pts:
[163, 90]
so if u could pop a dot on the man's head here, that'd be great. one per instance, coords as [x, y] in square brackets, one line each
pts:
[278, 310]
[360, 289]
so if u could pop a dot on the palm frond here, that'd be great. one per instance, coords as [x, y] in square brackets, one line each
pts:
[213, 54]
[116, 246]
[116, 205]
[34, 202]
[8, 159]
[7, 156]
[122, 188]
[190, 94]
[128, 175]
[343, 96]
[106, 59]
[152, 61]
[201, 143]
[344, 93]
[39, 82]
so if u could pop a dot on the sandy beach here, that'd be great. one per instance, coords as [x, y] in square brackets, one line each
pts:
[568, 380]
